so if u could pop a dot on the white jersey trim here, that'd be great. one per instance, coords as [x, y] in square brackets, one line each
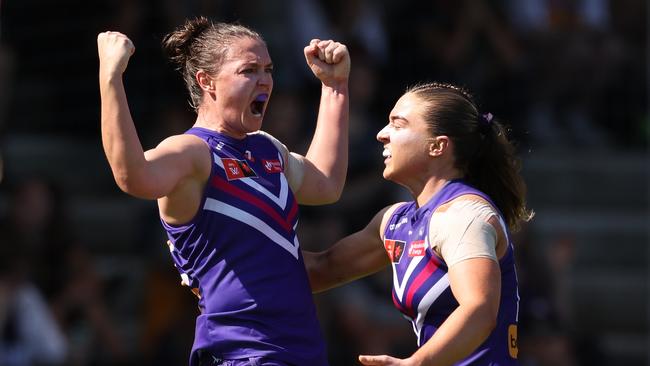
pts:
[246, 218]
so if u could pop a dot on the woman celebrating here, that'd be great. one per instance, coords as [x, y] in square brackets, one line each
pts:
[227, 193]
[450, 250]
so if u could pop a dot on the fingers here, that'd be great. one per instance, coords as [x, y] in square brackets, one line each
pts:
[114, 50]
[111, 39]
[329, 61]
[382, 360]
[328, 51]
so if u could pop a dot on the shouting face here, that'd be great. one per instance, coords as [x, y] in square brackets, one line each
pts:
[243, 86]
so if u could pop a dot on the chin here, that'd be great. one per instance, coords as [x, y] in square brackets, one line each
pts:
[252, 126]
[386, 174]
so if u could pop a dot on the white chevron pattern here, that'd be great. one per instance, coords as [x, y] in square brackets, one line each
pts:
[254, 222]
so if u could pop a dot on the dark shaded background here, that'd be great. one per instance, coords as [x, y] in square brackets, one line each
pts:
[85, 278]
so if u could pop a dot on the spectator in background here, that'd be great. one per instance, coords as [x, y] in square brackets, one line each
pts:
[581, 71]
[29, 333]
[62, 270]
[6, 73]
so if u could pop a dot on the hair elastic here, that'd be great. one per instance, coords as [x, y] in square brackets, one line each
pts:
[486, 118]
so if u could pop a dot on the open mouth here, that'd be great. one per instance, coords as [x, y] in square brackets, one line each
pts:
[386, 153]
[257, 106]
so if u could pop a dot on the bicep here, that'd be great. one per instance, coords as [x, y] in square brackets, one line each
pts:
[476, 282]
[170, 163]
[313, 184]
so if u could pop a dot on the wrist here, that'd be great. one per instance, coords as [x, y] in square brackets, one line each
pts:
[415, 360]
[337, 87]
[109, 76]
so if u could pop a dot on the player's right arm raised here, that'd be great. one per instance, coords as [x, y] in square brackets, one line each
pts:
[149, 175]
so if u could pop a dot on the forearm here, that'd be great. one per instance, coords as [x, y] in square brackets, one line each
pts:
[119, 137]
[463, 331]
[352, 257]
[328, 151]
[325, 272]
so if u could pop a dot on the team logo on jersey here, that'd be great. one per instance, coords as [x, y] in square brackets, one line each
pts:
[395, 249]
[237, 169]
[417, 248]
[513, 348]
[272, 166]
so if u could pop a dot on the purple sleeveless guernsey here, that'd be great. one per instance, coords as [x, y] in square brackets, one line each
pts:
[421, 288]
[240, 253]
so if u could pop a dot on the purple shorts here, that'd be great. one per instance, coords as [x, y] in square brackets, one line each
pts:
[206, 359]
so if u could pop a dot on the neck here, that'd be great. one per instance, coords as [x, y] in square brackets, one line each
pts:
[214, 122]
[430, 188]
[434, 183]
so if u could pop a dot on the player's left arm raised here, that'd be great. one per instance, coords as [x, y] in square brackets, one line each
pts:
[326, 161]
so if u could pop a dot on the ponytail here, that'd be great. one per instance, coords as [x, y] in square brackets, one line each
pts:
[495, 169]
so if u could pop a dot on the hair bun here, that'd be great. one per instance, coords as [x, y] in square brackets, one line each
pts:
[178, 44]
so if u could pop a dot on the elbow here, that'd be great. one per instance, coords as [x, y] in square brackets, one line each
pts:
[123, 180]
[331, 193]
[330, 198]
[314, 264]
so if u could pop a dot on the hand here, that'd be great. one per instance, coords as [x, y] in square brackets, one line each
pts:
[329, 61]
[384, 360]
[114, 50]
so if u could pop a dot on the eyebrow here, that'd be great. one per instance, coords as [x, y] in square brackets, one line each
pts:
[255, 63]
[397, 116]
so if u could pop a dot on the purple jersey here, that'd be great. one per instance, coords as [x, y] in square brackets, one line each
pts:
[421, 287]
[240, 255]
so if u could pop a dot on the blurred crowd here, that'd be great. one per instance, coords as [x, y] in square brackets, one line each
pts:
[563, 74]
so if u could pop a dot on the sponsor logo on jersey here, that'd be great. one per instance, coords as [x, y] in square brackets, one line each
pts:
[395, 249]
[403, 221]
[272, 166]
[513, 348]
[237, 169]
[416, 249]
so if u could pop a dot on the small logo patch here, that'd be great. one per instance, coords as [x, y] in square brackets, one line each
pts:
[237, 169]
[249, 156]
[417, 248]
[272, 166]
[513, 347]
[395, 249]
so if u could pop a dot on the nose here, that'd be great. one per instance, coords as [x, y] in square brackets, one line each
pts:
[265, 80]
[382, 135]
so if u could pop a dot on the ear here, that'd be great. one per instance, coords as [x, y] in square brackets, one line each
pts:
[439, 145]
[206, 82]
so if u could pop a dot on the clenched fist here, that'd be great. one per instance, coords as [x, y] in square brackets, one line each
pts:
[329, 61]
[114, 50]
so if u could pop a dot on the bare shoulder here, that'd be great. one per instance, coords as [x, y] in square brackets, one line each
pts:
[183, 142]
[183, 149]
